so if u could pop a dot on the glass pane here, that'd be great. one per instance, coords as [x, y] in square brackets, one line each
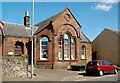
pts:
[60, 53]
[44, 48]
[83, 52]
[72, 48]
[66, 46]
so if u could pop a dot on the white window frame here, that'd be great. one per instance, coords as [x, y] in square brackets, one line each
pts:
[83, 52]
[72, 56]
[68, 58]
[41, 58]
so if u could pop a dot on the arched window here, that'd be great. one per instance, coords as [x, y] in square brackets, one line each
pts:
[83, 52]
[60, 48]
[66, 46]
[44, 48]
[72, 48]
[19, 48]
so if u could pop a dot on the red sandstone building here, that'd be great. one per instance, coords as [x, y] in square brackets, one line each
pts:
[58, 42]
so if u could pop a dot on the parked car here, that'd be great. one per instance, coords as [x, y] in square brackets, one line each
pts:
[100, 67]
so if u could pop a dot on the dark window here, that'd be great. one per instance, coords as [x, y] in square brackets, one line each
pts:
[92, 63]
[103, 63]
[108, 63]
[19, 48]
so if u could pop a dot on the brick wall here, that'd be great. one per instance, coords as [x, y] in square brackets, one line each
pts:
[9, 44]
[88, 53]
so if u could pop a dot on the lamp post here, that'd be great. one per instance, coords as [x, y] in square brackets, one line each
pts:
[32, 58]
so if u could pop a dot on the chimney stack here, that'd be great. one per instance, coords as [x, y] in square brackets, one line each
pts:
[27, 19]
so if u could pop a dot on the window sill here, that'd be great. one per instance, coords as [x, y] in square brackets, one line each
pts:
[83, 59]
[65, 60]
[43, 61]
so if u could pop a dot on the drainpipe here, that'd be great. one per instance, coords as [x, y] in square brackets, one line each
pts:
[53, 33]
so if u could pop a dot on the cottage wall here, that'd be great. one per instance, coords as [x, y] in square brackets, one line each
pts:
[9, 44]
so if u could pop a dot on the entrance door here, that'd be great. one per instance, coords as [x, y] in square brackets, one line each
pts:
[94, 56]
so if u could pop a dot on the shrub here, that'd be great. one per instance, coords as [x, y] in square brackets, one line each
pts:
[23, 55]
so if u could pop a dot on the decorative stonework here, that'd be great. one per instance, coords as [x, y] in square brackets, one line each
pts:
[67, 17]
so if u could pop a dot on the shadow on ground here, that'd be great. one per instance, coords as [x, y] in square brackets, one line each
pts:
[93, 75]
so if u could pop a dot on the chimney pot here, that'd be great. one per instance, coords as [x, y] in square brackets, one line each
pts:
[27, 19]
[27, 13]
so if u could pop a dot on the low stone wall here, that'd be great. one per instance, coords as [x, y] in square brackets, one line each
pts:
[14, 66]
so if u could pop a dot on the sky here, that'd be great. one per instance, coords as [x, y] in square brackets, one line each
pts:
[94, 17]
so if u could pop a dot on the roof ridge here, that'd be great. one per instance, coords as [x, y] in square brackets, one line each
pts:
[44, 23]
[112, 29]
[49, 17]
[84, 36]
[12, 23]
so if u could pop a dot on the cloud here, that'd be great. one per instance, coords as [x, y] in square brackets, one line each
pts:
[105, 5]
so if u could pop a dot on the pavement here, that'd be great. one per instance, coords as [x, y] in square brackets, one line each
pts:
[62, 75]
[50, 75]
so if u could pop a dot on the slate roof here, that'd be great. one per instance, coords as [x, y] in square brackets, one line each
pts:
[44, 23]
[12, 29]
[84, 38]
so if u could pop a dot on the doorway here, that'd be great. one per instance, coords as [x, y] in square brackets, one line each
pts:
[19, 48]
[94, 55]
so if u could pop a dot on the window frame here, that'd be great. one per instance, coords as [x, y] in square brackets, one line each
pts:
[70, 47]
[68, 50]
[83, 52]
[60, 58]
[46, 58]
[73, 56]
